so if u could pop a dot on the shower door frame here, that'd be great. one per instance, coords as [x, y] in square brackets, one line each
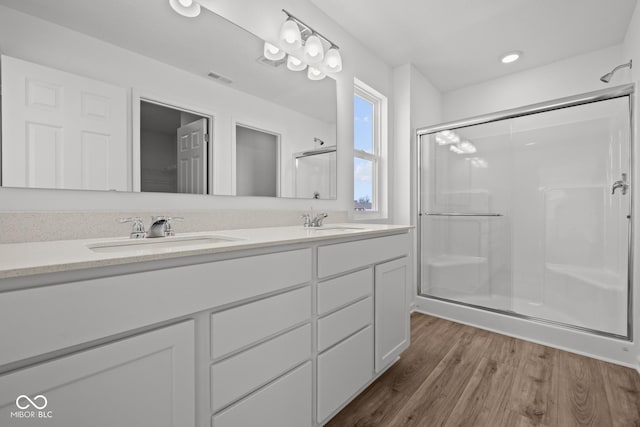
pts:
[556, 104]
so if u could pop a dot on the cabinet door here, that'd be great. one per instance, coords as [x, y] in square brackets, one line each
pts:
[146, 380]
[391, 311]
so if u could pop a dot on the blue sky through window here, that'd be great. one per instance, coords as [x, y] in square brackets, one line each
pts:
[362, 140]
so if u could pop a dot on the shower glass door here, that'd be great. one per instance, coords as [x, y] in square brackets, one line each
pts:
[520, 215]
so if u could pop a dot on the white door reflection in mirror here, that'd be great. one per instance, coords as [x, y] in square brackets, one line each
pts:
[61, 130]
[192, 157]
[257, 162]
[174, 155]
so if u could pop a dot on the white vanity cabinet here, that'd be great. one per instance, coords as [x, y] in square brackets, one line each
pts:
[367, 327]
[145, 380]
[284, 335]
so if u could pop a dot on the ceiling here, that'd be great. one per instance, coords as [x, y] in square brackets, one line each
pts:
[455, 43]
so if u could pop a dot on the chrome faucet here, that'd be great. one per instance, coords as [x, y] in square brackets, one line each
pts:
[620, 184]
[315, 221]
[137, 232]
[161, 226]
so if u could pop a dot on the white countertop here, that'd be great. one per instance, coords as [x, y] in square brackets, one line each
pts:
[25, 259]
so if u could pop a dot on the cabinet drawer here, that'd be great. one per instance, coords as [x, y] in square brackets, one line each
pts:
[238, 327]
[284, 403]
[342, 290]
[343, 370]
[177, 292]
[341, 324]
[334, 259]
[241, 374]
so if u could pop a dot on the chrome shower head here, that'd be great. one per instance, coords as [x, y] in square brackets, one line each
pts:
[607, 77]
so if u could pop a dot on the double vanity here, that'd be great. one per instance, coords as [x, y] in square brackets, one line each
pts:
[257, 327]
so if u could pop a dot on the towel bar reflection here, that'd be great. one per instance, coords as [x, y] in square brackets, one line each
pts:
[461, 214]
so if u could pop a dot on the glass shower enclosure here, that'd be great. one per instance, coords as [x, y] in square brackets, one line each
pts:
[527, 212]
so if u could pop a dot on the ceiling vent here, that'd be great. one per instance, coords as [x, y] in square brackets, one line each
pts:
[219, 77]
[270, 62]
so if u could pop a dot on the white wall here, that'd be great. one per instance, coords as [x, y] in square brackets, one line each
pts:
[568, 77]
[399, 190]
[631, 49]
[417, 103]
[631, 45]
[262, 17]
[426, 110]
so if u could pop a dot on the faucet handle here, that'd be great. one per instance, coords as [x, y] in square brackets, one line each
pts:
[137, 231]
[307, 219]
[317, 221]
[166, 221]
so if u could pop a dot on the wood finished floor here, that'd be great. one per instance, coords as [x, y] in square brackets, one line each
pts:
[457, 375]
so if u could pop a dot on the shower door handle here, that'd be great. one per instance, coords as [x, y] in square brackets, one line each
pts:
[620, 184]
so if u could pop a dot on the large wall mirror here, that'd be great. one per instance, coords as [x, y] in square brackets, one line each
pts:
[127, 95]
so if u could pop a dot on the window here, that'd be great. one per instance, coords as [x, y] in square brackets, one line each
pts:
[369, 149]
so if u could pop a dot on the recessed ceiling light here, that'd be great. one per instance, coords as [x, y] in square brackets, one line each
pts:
[511, 57]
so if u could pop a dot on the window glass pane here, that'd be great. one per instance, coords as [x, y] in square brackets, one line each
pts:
[362, 124]
[362, 184]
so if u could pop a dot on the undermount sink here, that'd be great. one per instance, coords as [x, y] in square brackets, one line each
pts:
[335, 228]
[158, 243]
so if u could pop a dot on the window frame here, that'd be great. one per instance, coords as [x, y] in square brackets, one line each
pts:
[378, 156]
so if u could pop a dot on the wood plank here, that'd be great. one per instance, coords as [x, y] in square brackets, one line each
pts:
[622, 388]
[535, 387]
[505, 349]
[433, 402]
[486, 396]
[582, 400]
[514, 419]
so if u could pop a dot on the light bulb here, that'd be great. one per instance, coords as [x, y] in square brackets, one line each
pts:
[467, 147]
[188, 8]
[294, 64]
[333, 60]
[511, 57]
[313, 51]
[290, 37]
[273, 52]
[314, 74]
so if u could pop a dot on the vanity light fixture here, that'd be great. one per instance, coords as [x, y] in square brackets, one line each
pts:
[511, 57]
[467, 147]
[188, 8]
[455, 149]
[313, 50]
[307, 47]
[272, 52]
[314, 74]
[295, 64]
[290, 35]
[333, 60]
